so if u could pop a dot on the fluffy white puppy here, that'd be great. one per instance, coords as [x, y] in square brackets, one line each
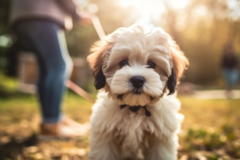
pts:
[136, 71]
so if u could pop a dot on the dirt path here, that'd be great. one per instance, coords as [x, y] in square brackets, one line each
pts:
[216, 94]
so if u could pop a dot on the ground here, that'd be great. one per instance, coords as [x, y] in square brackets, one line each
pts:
[210, 130]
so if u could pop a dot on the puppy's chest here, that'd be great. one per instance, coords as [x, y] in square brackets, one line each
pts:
[134, 129]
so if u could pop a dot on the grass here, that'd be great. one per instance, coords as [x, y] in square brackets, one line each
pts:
[210, 113]
[7, 86]
[25, 106]
[210, 129]
[18, 135]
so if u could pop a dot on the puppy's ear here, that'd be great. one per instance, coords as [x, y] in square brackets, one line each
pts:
[179, 63]
[95, 60]
[100, 80]
[171, 83]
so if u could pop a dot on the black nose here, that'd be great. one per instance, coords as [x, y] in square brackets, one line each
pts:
[137, 81]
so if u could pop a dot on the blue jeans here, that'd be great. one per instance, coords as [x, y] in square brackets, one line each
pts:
[47, 41]
[231, 76]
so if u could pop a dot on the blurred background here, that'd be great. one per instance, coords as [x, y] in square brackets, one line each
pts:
[202, 28]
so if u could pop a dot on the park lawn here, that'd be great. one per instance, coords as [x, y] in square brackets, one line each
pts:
[211, 113]
[209, 127]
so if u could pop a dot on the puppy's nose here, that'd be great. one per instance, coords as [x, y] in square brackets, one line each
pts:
[137, 81]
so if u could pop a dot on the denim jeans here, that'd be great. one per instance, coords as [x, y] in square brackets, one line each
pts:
[231, 76]
[47, 41]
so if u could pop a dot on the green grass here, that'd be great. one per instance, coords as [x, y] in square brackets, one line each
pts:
[24, 106]
[210, 113]
[210, 129]
[7, 86]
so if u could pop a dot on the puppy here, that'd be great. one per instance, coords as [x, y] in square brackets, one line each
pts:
[136, 71]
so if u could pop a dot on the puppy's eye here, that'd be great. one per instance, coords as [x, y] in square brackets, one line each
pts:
[151, 64]
[123, 63]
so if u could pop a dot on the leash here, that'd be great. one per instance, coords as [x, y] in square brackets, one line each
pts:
[98, 27]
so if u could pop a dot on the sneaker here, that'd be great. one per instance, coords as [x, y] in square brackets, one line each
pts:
[66, 129]
[81, 128]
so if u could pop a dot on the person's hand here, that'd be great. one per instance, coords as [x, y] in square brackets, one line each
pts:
[86, 18]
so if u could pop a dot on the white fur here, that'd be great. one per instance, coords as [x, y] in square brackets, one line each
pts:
[118, 134]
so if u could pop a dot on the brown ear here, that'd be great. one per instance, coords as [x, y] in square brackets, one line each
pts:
[95, 60]
[179, 62]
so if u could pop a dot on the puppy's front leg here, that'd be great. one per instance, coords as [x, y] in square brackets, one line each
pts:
[163, 149]
[102, 148]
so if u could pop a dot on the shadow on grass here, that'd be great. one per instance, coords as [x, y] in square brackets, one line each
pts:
[15, 148]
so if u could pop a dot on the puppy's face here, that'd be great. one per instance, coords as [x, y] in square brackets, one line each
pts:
[136, 67]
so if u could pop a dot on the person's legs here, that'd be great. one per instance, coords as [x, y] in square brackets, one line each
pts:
[227, 78]
[234, 77]
[47, 41]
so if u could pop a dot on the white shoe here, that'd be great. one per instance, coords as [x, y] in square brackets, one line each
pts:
[67, 128]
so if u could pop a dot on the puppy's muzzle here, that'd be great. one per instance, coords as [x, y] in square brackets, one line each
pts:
[137, 81]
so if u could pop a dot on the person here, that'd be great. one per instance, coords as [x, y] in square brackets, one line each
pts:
[40, 25]
[230, 69]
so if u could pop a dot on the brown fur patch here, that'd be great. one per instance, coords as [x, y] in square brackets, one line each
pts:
[95, 59]
[179, 60]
